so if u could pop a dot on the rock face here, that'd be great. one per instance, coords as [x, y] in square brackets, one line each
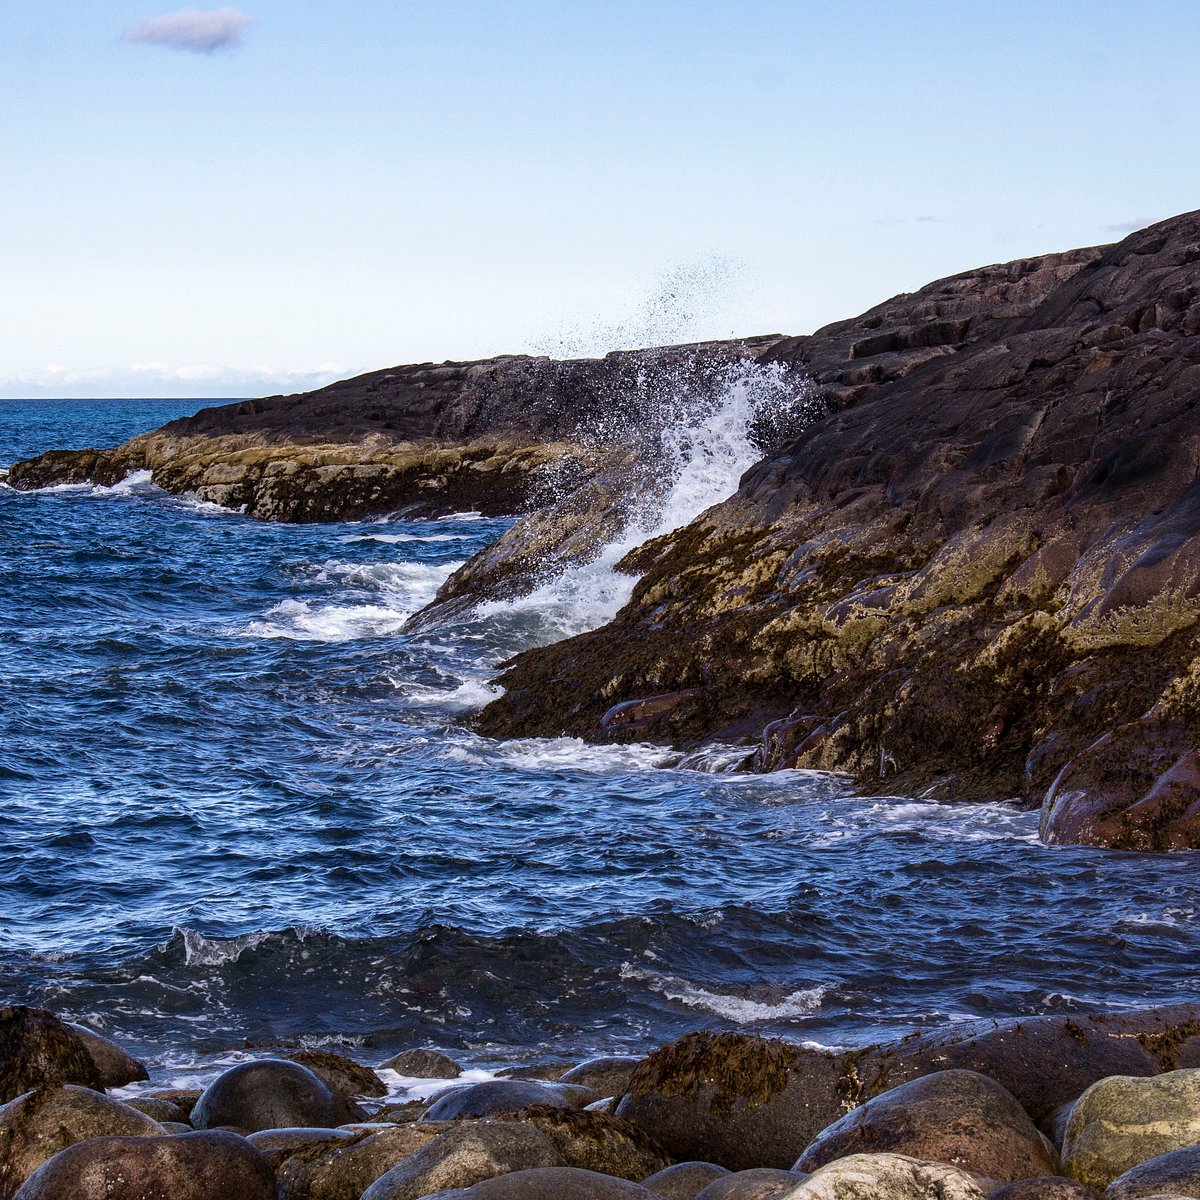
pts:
[39, 1050]
[742, 1101]
[192, 1166]
[985, 561]
[271, 1094]
[957, 1117]
[1120, 1122]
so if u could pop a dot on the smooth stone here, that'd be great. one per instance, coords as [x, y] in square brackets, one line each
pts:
[39, 1050]
[552, 1183]
[278, 1145]
[547, 1072]
[598, 1142]
[463, 1156]
[1054, 1123]
[957, 1117]
[271, 1093]
[758, 1183]
[1176, 1172]
[886, 1177]
[185, 1097]
[494, 1097]
[423, 1064]
[176, 1127]
[1122, 1121]
[342, 1074]
[115, 1067]
[190, 1166]
[607, 1076]
[397, 1114]
[38, 1125]
[344, 1171]
[161, 1110]
[685, 1180]
[1049, 1187]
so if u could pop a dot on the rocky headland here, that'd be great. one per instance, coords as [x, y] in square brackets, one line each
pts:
[968, 568]
[1050, 1108]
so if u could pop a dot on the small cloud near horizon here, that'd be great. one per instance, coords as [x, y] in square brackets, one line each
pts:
[1130, 226]
[192, 29]
[162, 380]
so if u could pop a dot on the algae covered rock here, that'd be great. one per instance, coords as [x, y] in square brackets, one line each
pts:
[598, 1142]
[1051, 1187]
[886, 1177]
[424, 1064]
[191, 1166]
[1122, 1121]
[344, 1168]
[342, 1074]
[606, 1076]
[271, 1094]
[38, 1125]
[465, 1155]
[958, 1117]
[39, 1050]
[759, 1183]
[551, 1183]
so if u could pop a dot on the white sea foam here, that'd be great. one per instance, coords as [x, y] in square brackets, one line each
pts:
[201, 951]
[394, 539]
[742, 1009]
[561, 754]
[465, 695]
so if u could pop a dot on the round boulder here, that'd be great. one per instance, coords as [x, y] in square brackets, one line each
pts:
[957, 1117]
[497, 1096]
[271, 1094]
[423, 1064]
[1051, 1187]
[114, 1066]
[190, 1166]
[553, 1183]
[1122, 1121]
[684, 1181]
[607, 1076]
[278, 1145]
[887, 1176]
[760, 1183]
[38, 1125]
[39, 1050]
[342, 1074]
[344, 1170]
[1174, 1173]
[161, 1110]
[598, 1142]
[466, 1155]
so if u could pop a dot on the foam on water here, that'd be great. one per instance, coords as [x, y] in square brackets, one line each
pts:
[745, 1010]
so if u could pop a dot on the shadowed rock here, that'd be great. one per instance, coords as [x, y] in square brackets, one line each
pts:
[39, 1050]
[1052, 1187]
[271, 1094]
[1176, 1173]
[115, 1067]
[344, 1170]
[684, 1181]
[342, 1074]
[759, 1183]
[424, 1064]
[496, 1096]
[551, 1183]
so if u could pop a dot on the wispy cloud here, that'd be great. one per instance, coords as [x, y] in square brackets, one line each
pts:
[160, 379]
[192, 29]
[1130, 226]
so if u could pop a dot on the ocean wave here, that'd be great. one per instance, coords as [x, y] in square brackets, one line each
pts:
[557, 754]
[746, 1010]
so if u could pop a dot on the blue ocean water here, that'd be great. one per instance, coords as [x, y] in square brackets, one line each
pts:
[238, 801]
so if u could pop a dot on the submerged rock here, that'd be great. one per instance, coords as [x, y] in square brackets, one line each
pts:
[271, 1094]
[191, 1166]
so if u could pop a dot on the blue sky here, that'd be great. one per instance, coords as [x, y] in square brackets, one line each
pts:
[375, 181]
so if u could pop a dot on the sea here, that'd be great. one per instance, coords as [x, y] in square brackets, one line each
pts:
[242, 806]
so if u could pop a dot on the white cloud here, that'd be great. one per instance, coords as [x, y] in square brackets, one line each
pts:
[1130, 226]
[192, 29]
[161, 380]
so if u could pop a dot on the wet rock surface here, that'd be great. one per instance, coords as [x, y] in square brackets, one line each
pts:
[39, 1050]
[271, 1094]
[499, 1096]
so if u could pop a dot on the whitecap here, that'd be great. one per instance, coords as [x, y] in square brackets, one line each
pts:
[742, 1009]
[564, 753]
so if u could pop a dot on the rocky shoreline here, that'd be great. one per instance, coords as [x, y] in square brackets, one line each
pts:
[970, 571]
[1045, 1108]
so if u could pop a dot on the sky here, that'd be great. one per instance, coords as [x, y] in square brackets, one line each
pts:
[243, 199]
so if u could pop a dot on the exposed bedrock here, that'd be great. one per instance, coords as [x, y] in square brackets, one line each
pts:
[978, 575]
[497, 437]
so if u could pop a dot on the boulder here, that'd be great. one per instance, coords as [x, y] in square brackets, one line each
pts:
[1174, 1173]
[190, 1166]
[496, 1096]
[685, 1180]
[552, 1183]
[1122, 1121]
[957, 1117]
[598, 1142]
[271, 1094]
[886, 1177]
[115, 1067]
[345, 1169]
[39, 1050]
[759, 1183]
[185, 1097]
[161, 1110]
[278, 1145]
[1050, 1187]
[342, 1074]
[424, 1064]
[463, 1156]
[607, 1076]
[546, 1071]
[36, 1126]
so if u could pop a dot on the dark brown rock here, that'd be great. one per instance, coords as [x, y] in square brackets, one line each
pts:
[278, 1145]
[191, 1166]
[1053, 1187]
[1175, 1173]
[958, 1117]
[684, 1181]
[115, 1067]
[607, 1076]
[552, 1183]
[424, 1064]
[598, 1142]
[759, 1183]
[161, 1110]
[342, 1074]
[345, 1169]
[39, 1050]
[271, 1094]
[500, 1096]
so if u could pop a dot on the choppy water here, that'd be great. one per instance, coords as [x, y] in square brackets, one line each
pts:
[237, 802]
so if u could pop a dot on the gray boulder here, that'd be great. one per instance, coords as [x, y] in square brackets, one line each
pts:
[190, 1166]
[684, 1181]
[271, 1094]
[278, 1145]
[424, 1064]
[759, 1183]
[496, 1096]
[886, 1177]
[1053, 1187]
[552, 1183]
[41, 1123]
[463, 1156]
[957, 1117]
[115, 1067]
[1174, 1173]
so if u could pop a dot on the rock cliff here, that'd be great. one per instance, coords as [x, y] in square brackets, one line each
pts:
[978, 577]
